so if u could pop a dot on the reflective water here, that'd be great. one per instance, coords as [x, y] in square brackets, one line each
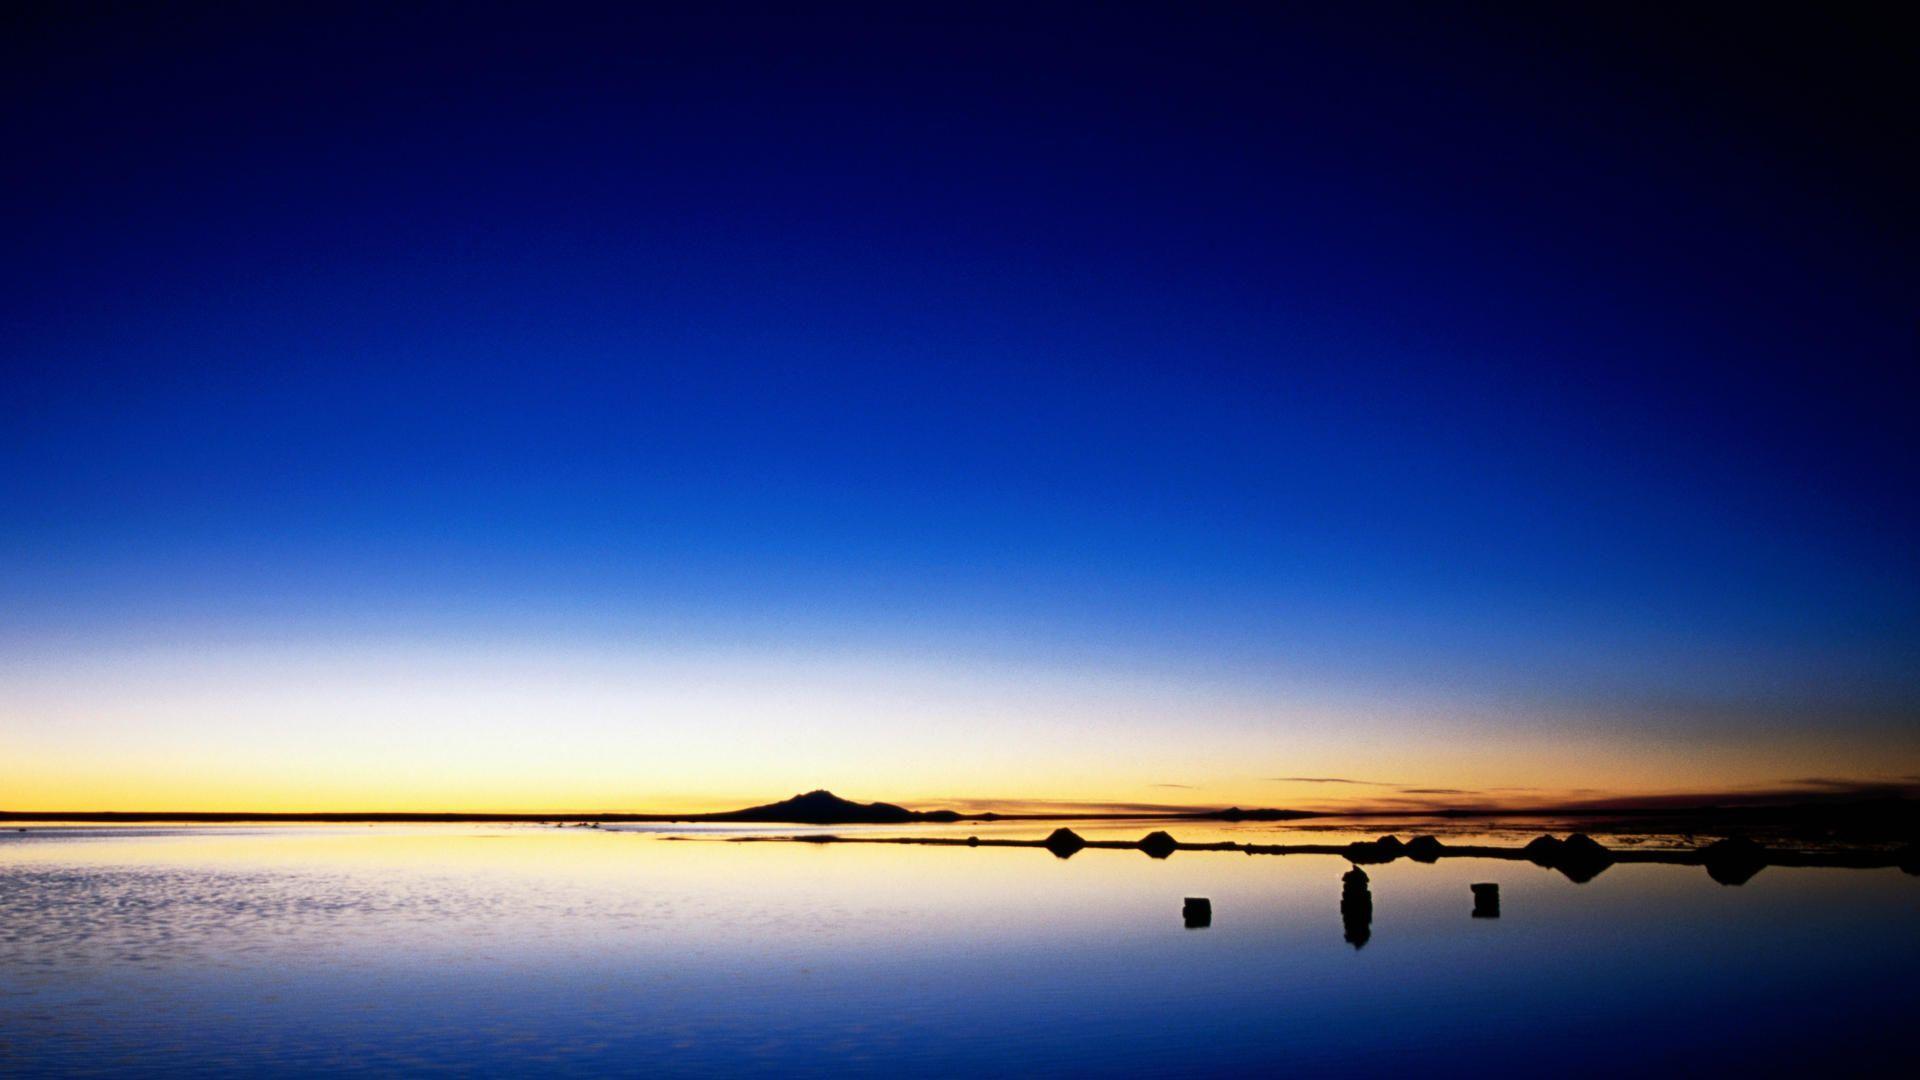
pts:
[514, 950]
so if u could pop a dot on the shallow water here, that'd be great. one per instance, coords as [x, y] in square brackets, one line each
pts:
[519, 949]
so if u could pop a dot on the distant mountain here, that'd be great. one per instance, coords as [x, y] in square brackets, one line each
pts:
[825, 808]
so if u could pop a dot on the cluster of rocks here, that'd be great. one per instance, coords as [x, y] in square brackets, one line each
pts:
[1424, 849]
[1579, 857]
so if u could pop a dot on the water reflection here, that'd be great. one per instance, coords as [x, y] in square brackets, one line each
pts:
[581, 952]
[1356, 907]
[1734, 860]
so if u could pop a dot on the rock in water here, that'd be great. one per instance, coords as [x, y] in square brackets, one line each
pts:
[1486, 900]
[1424, 849]
[1733, 860]
[1159, 844]
[1064, 842]
[1356, 907]
[1384, 850]
[1581, 859]
[1197, 912]
[1543, 850]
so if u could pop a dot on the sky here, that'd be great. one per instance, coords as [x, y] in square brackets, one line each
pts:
[539, 407]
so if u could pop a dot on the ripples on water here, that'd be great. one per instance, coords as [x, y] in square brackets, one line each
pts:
[519, 949]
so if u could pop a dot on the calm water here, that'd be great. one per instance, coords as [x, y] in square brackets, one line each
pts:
[513, 950]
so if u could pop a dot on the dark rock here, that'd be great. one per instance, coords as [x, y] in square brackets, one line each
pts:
[1064, 842]
[1733, 860]
[1159, 844]
[1197, 912]
[1543, 850]
[1486, 900]
[1578, 856]
[1581, 859]
[1908, 859]
[1384, 850]
[1366, 851]
[1582, 846]
[1356, 907]
[973, 841]
[1424, 849]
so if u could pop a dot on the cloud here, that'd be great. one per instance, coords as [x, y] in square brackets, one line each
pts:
[1816, 789]
[1435, 791]
[1325, 780]
[1832, 783]
[1188, 787]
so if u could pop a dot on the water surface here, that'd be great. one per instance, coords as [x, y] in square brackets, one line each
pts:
[519, 949]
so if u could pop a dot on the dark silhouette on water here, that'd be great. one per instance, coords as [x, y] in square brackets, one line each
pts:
[1579, 857]
[1356, 907]
[1734, 860]
[1367, 852]
[1425, 849]
[1159, 845]
[1486, 900]
[1063, 843]
[1197, 912]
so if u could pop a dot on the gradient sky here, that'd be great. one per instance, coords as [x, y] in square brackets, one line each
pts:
[480, 407]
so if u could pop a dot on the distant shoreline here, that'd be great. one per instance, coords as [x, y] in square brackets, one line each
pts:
[211, 816]
[1871, 821]
[1676, 818]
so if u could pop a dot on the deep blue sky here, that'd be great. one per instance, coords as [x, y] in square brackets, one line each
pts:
[1564, 360]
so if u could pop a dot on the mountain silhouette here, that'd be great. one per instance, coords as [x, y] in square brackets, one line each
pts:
[822, 807]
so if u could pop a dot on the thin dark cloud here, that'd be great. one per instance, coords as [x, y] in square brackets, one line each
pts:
[1805, 790]
[1832, 783]
[1435, 791]
[1187, 787]
[1411, 803]
[1056, 806]
[1325, 780]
